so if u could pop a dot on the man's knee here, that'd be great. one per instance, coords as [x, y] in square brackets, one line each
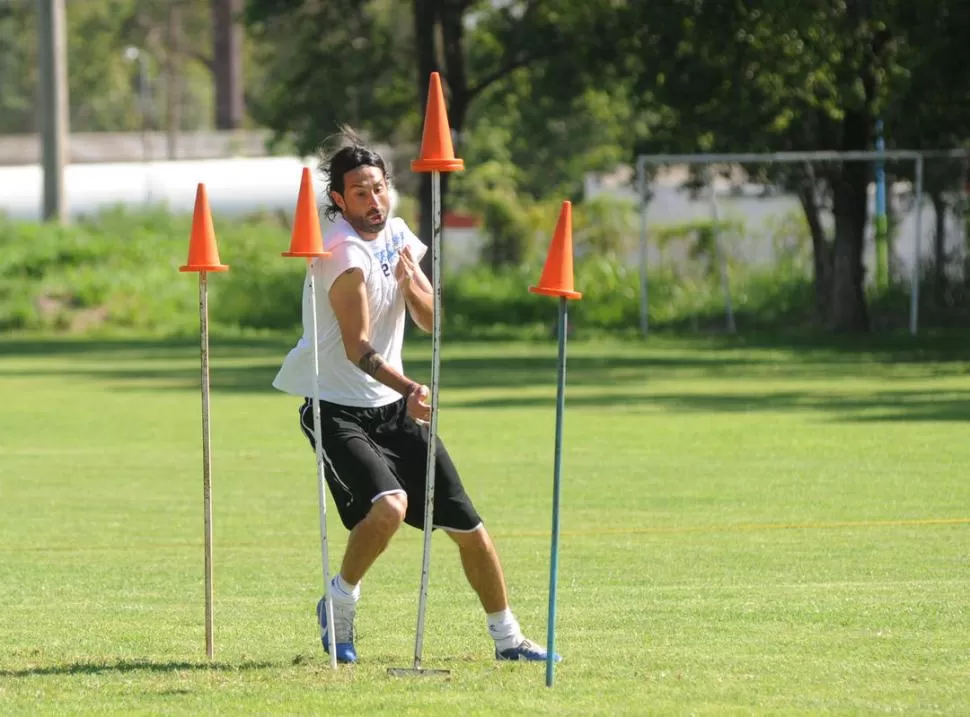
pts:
[387, 512]
[476, 540]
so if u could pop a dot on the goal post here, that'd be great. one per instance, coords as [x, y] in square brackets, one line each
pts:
[647, 163]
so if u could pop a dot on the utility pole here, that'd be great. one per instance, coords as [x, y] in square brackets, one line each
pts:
[227, 42]
[173, 77]
[54, 121]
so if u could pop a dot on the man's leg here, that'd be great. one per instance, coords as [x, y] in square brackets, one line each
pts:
[456, 515]
[484, 572]
[482, 567]
[370, 537]
[371, 504]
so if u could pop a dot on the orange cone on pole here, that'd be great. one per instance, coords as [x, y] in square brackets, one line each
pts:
[437, 151]
[557, 274]
[203, 252]
[307, 239]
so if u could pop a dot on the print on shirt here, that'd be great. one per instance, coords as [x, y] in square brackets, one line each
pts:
[389, 253]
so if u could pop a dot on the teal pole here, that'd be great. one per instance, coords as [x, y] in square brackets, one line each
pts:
[882, 226]
[557, 471]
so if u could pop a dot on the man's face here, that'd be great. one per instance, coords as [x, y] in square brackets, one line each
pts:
[365, 202]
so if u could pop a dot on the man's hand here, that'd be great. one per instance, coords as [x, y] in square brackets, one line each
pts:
[416, 406]
[416, 289]
[405, 270]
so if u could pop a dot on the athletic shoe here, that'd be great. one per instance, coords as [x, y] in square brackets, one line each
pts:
[343, 620]
[526, 650]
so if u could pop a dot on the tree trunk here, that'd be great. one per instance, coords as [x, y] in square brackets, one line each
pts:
[425, 21]
[227, 36]
[821, 251]
[850, 189]
[849, 311]
[448, 15]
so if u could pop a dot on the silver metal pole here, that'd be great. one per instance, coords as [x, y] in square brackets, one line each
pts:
[644, 303]
[721, 257]
[914, 289]
[556, 492]
[321, 480]
[433, 427]
[206, 460]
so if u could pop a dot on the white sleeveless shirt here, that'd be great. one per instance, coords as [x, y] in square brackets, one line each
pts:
[341, 381]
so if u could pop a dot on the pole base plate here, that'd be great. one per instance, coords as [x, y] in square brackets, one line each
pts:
[417, 672]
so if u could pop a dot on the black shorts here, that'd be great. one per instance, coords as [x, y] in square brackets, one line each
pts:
[371, 452]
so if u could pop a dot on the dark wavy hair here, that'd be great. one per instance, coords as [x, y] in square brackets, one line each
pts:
[347, 159]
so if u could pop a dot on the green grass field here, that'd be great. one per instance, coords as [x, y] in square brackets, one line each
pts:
[748, 528]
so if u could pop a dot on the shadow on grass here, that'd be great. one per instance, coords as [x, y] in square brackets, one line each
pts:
[889, 347]
[249, 365]
[147, 348]
[125, 666]
[148, 368]
[486, 372]
[882, 406]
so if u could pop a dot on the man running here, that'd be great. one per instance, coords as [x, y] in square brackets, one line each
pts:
[373, 417]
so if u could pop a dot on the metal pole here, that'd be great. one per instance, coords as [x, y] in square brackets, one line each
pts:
[54, 118]
[557, 473]
[321, 480]
[721, 258]
[433, 427]
[778, 157]
[914, 289]
[644, 303]
[206, 460]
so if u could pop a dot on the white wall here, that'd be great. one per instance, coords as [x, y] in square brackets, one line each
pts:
[234, 186]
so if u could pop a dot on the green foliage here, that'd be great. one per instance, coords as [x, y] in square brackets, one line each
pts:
[605, 225]
[334, 63]
[18, 48]
[120, 270]
[514, 102]
[485, 301]
[103, 85]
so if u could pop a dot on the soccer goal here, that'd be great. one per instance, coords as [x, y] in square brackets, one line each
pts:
[754, 207]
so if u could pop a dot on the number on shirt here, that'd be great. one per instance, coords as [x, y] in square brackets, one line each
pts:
[386, 269]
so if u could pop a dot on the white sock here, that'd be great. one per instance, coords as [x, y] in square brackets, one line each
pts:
[504, 629]
[343, 591]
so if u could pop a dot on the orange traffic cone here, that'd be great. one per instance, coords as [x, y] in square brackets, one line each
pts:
[306, 240]
[437, 151]
[557, 274]
[203, 252]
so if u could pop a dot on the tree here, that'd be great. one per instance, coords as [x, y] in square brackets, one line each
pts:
[927, 105]
[475, 45]
[18, 48]
[764, 75]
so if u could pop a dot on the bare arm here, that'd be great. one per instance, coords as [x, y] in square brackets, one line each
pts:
[348, 297]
